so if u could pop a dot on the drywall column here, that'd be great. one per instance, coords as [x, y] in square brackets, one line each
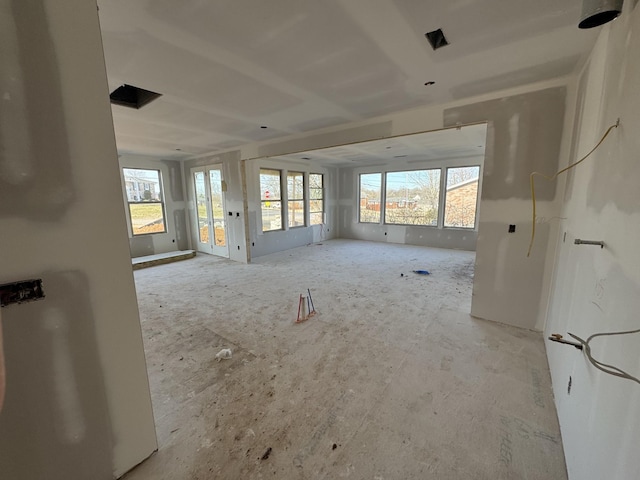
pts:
[77, 400]
[598, 290]
[524, 135]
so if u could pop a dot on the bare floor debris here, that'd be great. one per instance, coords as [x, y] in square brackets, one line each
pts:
[398, 371]
[266, 454]
[421, 272]
[224, 354]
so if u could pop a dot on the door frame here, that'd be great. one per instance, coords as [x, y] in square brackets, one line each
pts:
[209, 247]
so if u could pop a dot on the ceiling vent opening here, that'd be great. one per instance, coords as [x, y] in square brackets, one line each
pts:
[437, 39]
[132, 97]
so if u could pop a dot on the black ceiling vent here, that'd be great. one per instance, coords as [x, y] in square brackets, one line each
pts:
[132, 97]
[436, 39]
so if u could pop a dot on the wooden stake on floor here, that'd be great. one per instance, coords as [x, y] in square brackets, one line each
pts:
[306, 310]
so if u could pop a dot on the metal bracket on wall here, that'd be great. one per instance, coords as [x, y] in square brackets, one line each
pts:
[589, 242]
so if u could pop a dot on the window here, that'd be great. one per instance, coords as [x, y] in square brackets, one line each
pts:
[316, 202]
[295, 199]
[461, 197]
[270, 181]
[144, 196]
[370, 197]
[412, 198]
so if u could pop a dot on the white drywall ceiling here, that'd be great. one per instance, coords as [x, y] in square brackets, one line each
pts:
[225, 68]
[460, 142]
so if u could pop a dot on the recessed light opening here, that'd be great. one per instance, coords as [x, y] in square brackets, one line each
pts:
[132, 97]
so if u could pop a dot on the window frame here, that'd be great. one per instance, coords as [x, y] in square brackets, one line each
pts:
[477, 203]
[292, 173]
[380, 199]
[160, 202]
[312, 199]
[263, 200]
[386, 198]
[443, 165]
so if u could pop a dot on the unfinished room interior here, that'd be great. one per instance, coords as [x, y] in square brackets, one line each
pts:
[368, 239]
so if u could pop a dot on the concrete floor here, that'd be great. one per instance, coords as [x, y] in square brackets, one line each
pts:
[391, 380]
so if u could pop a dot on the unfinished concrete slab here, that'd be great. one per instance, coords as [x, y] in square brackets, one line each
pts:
[391, 379]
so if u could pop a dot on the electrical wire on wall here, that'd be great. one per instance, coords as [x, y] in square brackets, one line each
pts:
[553, 177]
[610, 369]
[584, 345]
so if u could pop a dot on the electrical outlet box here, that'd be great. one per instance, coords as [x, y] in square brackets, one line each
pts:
[21, 292]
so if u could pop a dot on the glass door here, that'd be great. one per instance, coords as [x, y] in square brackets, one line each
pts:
[217, 211]
[211, 226]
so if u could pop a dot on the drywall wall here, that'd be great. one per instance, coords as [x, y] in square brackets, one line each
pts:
[242, 199]
[598, 290]
[525, 135]
[350, 227]
[77, 401]
[263, 243]
[24, 165]
[175, 238]
[525, 125]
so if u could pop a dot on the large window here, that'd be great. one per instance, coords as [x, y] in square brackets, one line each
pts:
[461, 197]
[412, 198]
[271, 199]
[415, 197]
[295, 199]
[370, 197]
[316, 201]
[144, 196]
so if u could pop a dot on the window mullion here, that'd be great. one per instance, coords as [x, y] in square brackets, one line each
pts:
[442, 196]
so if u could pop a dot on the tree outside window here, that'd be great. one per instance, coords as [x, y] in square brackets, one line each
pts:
[412, 197]
[316, 201]
[271, 199]
[370, 197]
[295, 199]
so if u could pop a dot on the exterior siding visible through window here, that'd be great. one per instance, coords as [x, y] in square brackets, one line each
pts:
[461, 197]
[145, 201]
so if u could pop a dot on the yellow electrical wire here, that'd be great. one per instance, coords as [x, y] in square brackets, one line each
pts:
[552, 177]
